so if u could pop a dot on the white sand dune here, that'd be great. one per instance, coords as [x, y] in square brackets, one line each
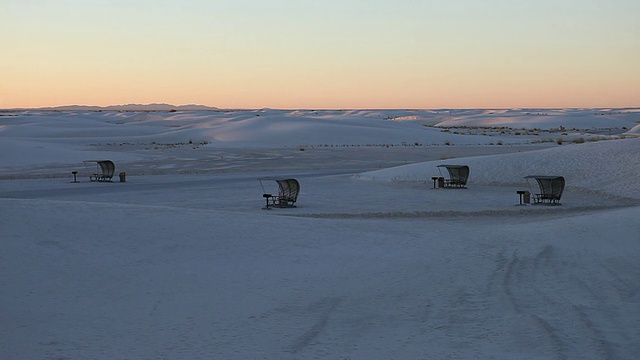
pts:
[609, 167]
[181, 262]
[582, 119]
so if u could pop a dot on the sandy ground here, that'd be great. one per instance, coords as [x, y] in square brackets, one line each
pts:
[181, 262]
[328, 190]
[189, 160]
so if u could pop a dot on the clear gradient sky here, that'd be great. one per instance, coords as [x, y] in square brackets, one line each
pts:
[321, 53]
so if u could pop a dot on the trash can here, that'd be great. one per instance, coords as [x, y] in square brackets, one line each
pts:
[441, 182]
[123, 177]
[527, 197]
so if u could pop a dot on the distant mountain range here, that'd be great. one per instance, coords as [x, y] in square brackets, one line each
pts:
[129, 107]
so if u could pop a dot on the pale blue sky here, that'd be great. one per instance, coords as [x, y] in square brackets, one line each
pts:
[322, 54]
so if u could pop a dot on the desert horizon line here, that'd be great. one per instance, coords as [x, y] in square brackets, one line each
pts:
[160, 106]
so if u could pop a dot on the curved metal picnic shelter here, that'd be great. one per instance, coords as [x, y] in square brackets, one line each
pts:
[550, 186]
[288, 191]
[458, 176]
[104, 170]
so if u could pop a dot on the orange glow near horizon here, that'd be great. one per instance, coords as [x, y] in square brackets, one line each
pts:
[325, 55]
